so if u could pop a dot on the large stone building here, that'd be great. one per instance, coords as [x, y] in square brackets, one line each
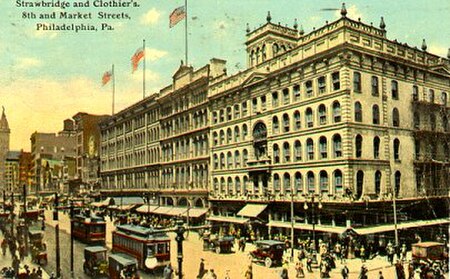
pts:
[323, 131]
[87, 155]
[329, 121]
[12, 172]
[4, 147]
[48, 151]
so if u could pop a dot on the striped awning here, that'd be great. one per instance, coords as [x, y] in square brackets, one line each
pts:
[252, 210]
[228, 219]
[401, 226]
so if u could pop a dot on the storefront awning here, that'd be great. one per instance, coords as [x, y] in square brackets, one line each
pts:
[103, 203]
[308, 227]
[400, 226]
[252, 210]
[228, 219]
[127, 200]
[162, 210]
[147, 208]
[122, 207]
[176, 211]
[195, 212]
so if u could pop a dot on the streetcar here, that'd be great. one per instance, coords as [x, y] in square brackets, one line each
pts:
[89, 228]
[150, 247]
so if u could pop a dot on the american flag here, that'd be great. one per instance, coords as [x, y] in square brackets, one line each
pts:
[137, 56]
[176, 16]
[106, 77]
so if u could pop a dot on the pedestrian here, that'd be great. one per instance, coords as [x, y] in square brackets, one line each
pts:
[4, 246]
[380, 275]
[249, 272]
[309, 263]
[399, 270]
[363, 272]
[168, 272]
[404, 251]
[299, 270]
[284, 274]
[39, 272]
[201, 269]
[345, 272]
[362, 253]
[212, 275]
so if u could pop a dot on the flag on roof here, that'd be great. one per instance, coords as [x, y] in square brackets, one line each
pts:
[176, 16]
[137, 56]
[106, 77]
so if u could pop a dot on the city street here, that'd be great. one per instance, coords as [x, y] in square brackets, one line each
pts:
[236, 263]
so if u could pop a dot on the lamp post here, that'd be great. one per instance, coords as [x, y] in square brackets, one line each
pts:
[292, 224]
[313, 221]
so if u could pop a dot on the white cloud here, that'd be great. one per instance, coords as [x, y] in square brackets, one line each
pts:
[438, 50]
[28, 62]
[152, 54]
[352, 12]
[150, 17]
[150, 76]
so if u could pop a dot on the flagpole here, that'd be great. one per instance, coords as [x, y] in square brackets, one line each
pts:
[113, 87]
[143, 71]
[186, 32]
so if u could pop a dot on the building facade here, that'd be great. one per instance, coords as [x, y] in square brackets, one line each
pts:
[12, 172]
[25, 169]
[4, 147]
[328, 120]
[88, 145]
[47, 152]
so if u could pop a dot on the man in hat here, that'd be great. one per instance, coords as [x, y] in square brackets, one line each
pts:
[201, 269]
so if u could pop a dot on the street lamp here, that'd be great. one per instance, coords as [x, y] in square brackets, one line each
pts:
[319, 206]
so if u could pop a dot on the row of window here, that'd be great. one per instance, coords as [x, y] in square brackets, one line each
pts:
[182, 149]
[431, 123]
[127, 180]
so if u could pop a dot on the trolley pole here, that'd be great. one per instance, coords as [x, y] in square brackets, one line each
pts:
[55, 218]
[179, 238]
[71, 238]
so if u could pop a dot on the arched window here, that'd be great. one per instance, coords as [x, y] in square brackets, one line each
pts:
[286, 152]
[287, 183]
[415, 94]
[337, 146]
[377, 182]
[323, 147]
[286, 97]
[431, 96]
[311, 183]
[336, 112]
[375, 114]
[337, 181]
[322, 84]
[244, 157]
[394, 89]
[309, 118]
[237, 159]
[398, 177]
[309, 88]
[322, 114]
[297, 151]
[444, 98]
[244, 131]
[395, 118]
[221, 115]
[323, 176]
[276, 183]
[237, 111]
[222, 185]
[358, 112]
[222, 137]
[229, 136]
[396, 149]
[275, 125]
[359, 184]
[229, 185]
[275, 100]
[310, 149]
[257, 56]
[236, 134]
[229, 160]
[285, 123]
[263, 53]
[216, 185]
[244, 185]
[216, 161]
[358, 146]
[276, 153]
[298, 182]
[275, 49]
[237, 185]
[357, 82]
[375, 86]
[252, 57]
[376, 148]
[297, 120]
[215, 138]
[222, 161]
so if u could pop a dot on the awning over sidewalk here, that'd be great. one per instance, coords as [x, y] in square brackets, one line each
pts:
[147, 208]
[195, 212]
[103, 203]
[162, 210]
[228, 219]
[252, 210]
[307, 227]
[127, 200]
[401, 226]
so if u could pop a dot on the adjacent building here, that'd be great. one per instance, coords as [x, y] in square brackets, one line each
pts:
[12, 172]
[4, 148]
[25, 169]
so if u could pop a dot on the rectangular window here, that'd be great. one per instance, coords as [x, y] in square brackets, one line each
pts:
[336, 81]
[229, 114]
[322, 84]
[394, 89]
[263, 103]
[237, 112]
[296, 91]
[222, 116]
[357, 82]
[309, 88]
[375, 91]
[415, 93]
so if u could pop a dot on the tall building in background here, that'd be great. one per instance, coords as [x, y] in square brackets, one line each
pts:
[25, 169]
[87, 155]
[4, 147]
[48, 151]
[12, 172]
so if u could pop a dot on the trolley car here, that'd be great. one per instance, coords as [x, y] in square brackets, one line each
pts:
[89, 229]
[150, 247]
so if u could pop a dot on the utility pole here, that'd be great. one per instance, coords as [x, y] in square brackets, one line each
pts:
[179, 238]
[71, 238]
[55, 218]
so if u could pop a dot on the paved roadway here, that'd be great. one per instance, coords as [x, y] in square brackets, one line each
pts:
[236, 263]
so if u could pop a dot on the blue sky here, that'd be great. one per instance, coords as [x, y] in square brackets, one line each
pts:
[50, 76]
